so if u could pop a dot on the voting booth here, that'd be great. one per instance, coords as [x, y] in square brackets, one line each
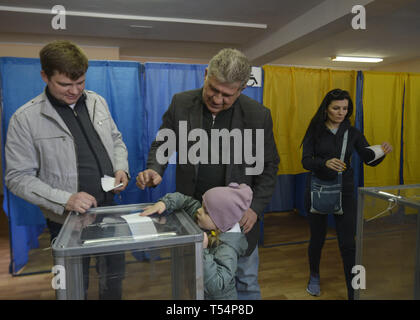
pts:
[155, 257]
[388, 243]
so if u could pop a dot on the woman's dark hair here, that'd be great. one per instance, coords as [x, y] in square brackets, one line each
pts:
[320, 116]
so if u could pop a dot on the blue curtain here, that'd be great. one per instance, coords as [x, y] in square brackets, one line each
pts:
[402, 140]
[20, 81]
[119, 83]
[161, 82]
[358, 123]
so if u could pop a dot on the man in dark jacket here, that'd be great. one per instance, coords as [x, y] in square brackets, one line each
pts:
[219, 110]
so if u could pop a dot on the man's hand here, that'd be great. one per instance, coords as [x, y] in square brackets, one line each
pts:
[148, 178]
[248, 220]
[120, 177]
[80, 202]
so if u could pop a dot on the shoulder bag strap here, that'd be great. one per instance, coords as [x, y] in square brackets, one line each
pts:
[343, 153]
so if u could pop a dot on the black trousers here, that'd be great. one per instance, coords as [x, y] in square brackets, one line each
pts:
[110, 268]
[346, 234]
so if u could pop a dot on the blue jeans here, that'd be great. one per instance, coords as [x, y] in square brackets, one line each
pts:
[247, 277]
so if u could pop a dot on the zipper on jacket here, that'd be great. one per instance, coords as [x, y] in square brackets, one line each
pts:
[77, 166]
[93, 116]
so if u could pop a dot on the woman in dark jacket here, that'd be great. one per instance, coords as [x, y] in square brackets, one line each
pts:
[321, 155]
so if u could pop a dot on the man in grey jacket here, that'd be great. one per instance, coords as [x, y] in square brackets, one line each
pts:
[60, 144]
[221, 107]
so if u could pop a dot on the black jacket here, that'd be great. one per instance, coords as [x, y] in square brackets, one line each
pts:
[317, 150]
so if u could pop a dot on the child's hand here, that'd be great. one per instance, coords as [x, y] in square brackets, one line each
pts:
[158, 207]
[205, 241]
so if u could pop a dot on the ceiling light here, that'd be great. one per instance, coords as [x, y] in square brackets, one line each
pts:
[356, 59]
[137, 26]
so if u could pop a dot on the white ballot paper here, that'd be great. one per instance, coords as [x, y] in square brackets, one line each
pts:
[140, 227]
[379, 152]
[108, 182]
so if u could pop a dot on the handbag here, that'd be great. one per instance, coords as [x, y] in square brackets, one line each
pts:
[326, 195]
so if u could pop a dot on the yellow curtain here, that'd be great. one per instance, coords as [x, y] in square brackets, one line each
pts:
[293, 95]
[411, 134]
[382, 112]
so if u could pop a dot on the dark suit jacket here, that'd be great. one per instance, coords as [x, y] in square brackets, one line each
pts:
[247, 114]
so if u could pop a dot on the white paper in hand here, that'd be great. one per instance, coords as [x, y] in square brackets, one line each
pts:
[108, 183]
[379, 152]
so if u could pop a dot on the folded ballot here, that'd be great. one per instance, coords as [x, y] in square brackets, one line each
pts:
[108, 182]
[140, 227]
[379, 152]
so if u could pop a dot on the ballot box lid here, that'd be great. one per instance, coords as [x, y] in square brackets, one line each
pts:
[408, 194]
[120, 228]
[388, 243]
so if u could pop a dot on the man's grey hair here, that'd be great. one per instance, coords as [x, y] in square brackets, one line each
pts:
[229, 66]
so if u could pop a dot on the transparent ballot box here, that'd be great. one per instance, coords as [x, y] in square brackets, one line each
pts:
[113, 253]
[387, 243]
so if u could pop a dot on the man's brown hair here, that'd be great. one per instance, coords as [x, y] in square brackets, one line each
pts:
[64, 57]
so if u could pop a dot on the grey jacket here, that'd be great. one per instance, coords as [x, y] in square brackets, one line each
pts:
[41, 161]
[220, 262]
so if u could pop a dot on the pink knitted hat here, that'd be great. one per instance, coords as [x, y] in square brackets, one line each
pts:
[227, 205]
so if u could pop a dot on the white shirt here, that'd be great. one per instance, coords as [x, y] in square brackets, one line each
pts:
[235, 228]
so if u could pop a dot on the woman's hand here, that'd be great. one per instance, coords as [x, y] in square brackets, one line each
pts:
[335, 164]
[386, 147]
[158, 207]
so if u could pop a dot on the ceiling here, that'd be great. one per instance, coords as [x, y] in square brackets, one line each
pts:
[290, 32]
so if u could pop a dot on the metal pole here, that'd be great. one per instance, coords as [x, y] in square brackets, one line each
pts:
[359, 234]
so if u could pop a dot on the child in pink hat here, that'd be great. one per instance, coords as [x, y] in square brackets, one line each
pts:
[224, 242]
